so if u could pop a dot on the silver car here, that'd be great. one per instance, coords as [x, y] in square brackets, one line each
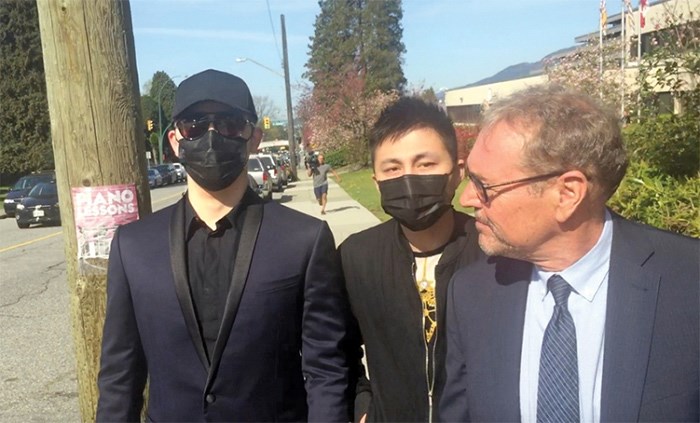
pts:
[180, 171]
[261, 176]
[274, 170]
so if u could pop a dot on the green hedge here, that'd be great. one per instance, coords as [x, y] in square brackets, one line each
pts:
[662, 185]
[669, 143]
[648, 195]
[337, 158]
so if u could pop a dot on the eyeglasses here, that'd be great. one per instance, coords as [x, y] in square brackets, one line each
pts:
[482, 189]
[230, 126]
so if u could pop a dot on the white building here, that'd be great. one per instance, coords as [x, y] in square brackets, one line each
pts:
[464, 104]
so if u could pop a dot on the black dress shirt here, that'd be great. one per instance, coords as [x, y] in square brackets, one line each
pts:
[210, 261]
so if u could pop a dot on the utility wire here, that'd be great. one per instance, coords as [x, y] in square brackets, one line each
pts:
[274, 34]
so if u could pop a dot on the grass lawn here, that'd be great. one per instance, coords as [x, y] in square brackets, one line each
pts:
[360, 186]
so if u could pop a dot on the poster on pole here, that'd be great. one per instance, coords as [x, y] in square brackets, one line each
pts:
[98, 212]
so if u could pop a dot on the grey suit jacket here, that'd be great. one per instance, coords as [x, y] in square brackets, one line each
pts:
[650, 369]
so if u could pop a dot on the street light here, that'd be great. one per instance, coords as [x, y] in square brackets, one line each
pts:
[247, 59]
[160, 113]
[290, 117]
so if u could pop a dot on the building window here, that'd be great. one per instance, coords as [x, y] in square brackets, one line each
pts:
[664, 101]
[470, 114]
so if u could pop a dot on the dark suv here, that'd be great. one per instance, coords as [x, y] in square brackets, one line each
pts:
[21, 189]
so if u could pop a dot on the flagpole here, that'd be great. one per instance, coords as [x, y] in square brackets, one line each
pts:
[623, 57]
[639, 31]
[640, 20]
[600, 46]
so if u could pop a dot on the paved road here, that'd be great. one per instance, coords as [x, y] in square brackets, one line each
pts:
[37, 369]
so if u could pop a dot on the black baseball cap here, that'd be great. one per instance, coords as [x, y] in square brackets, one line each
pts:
[216, 86]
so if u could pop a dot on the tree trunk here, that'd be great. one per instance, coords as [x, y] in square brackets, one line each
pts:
[96, 130]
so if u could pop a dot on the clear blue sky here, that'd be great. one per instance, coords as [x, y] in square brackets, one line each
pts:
[449, 43]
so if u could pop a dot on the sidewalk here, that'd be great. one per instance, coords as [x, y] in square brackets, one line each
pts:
[344, 215]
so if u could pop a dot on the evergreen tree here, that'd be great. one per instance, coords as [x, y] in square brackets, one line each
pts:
[162, 85]
[333, 47]
[381, 51]
[357, 37]
[25, 132]
[159, 85]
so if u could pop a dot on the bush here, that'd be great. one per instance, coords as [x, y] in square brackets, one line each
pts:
[669, 143]
[649, 196]
[466, 136]
[337, 158]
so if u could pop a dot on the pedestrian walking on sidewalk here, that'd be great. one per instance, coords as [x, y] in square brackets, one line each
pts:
[319, 170]
[193, 304]
[397, 272]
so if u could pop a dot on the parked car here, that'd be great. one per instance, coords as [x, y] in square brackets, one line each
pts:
[181, 172]
[21, 189]
[168, 172]
[274, 170]
[154, 178]
[257, 170]
[39, 206]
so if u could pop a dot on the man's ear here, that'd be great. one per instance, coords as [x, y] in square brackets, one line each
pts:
[376, 185]
[174, 144]
[254, 141]
[572, 191]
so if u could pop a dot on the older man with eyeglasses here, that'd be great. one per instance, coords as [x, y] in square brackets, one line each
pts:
[578, 314]
[227, 320]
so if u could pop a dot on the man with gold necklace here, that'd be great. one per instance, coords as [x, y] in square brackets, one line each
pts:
[397, 272]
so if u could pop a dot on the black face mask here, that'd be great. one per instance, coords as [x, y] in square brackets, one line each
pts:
[214, 161]
[416, 201]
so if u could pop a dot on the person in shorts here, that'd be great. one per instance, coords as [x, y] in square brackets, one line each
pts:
[319, 171]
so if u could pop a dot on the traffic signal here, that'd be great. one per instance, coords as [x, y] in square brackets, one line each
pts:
[149, 124]
[266, 122]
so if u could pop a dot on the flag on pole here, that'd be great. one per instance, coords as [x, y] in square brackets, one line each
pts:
[642, 11]
[603, 17]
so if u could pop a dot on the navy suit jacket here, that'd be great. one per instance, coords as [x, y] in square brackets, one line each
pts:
[279, 355]
[650, 369]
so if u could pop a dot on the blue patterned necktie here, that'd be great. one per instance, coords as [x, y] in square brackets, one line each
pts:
[557, 393]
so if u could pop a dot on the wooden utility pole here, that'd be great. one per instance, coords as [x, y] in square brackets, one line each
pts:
[96, 131]
[290, 112]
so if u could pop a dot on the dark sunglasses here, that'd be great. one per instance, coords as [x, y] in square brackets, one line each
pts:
[482, 190]
[230, 126]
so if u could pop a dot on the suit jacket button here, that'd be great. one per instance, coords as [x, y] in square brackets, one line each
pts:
[211, 398]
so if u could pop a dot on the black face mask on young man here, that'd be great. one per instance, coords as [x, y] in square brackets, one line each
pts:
[416, 201]
[214, 161]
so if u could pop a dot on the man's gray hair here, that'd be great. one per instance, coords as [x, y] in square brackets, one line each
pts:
[564, 130]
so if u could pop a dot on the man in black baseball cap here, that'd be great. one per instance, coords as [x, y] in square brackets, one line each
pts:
[208, 302]
[214, 129]
[216, 86]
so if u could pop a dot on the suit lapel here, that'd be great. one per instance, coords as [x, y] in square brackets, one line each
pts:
[506, 322]
[244, 255]
[629, 322]
[178, 261]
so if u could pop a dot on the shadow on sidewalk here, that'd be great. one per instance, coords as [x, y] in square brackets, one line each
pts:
[341, 209]
[284, 198]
